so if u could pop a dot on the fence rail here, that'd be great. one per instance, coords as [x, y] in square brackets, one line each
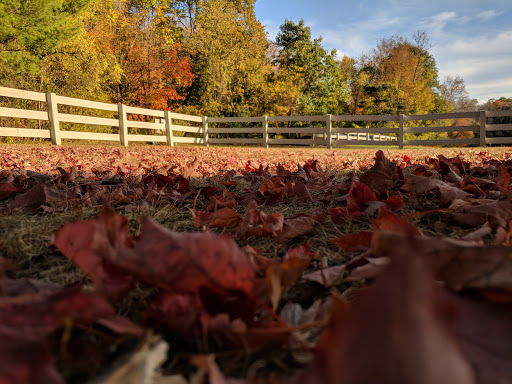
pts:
[176, 127]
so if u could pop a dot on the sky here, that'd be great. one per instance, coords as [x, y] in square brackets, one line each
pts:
[471, 38]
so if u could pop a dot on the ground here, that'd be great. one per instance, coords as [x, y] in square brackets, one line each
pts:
[309, 225]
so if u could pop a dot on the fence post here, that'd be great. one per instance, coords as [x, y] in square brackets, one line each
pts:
[265, 131]
[53, 118]
[483, 127]
[123, 124]
[205, 131]
[328, 129]
[168, 128]
[401, 131]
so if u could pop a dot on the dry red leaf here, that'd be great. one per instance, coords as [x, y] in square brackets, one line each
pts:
[459, 264]
[359, 195]
[43, 312]
[8, 190]
[354, 242]
[66, 176]
[31, 201]
[275, 190]
[89, 244]
[474, 213]
[302, 193]
[259, 224]
[402, 327]
[26, 359]
[422, 184]
[225, 217]
[294, 227]
[382, 176]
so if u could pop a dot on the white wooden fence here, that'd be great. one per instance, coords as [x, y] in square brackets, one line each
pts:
[321, 130]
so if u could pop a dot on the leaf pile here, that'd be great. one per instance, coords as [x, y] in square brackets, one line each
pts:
[402, 268]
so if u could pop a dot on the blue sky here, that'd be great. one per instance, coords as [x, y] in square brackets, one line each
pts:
[472, 38]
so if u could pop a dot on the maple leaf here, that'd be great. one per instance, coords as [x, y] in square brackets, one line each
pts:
[26, 359]
[503, 181]
[402, 326]
[294, 227]
[359, 195]
[31, 201]
[485, 330]
[67, 176]
[89, 244]
[227, 200]
[259, 224]
[43, 312]
[382, 176]
[422, 184]
[225, 217]
[9, 189]
[302, 193]
[459, 264]
[476, 212]
[275, 190]
[279, 276]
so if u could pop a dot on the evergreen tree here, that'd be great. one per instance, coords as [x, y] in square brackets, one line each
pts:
[30, 30]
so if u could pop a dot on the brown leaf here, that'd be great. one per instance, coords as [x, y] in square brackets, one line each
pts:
[382, 176]
[26, 359]
[8, 190]
[459, 264]
[503, 181]
[358, 199]
[402, 327]
[294, 227]
[422, 184]
[302, 193]
[225, 217]
[477, 212]
[66, 176]
[31, 201]
[259, 224]
[91, 244]
[43, 312]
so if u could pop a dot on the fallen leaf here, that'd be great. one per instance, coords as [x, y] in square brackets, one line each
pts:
[89, 244]
[294, 227]
[477, 212]
[422, 184]
[259, 224]
[402, 327]
[358, 198]
[225, 217]
[382, 176]
[26, 359]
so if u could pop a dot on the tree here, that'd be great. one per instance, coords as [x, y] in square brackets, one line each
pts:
[30, 31]
[149, 66]
[397, 77]
[501, 104]
[228, 45]
[453, 90]
[314, 71]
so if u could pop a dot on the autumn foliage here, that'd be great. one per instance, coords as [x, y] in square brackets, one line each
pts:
[402, 267]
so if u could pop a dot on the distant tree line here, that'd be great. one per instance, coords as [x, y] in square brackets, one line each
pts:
[213, 57]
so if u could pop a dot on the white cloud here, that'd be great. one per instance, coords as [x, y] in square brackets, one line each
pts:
[487, 15]
[440, 20]
[484, 63]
